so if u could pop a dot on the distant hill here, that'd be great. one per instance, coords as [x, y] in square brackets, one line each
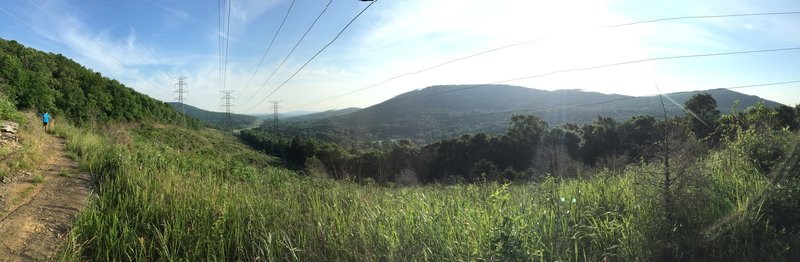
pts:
[283, 115]
[444, 111]
[217, 119]
[323, 115]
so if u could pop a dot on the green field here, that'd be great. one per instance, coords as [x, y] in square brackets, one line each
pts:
[172, 199]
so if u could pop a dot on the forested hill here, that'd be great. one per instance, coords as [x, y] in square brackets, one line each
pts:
[324, 115]
[439, 112]
[47, 82]
[217, 119]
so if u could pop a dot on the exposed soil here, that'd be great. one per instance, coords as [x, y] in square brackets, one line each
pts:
[37, 209]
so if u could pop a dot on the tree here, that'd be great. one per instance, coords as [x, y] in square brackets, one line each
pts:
[787, 117]
[523, 138]
[52, 83]
[601, 138]
[639, 135]
[702, 111]
[760, 117]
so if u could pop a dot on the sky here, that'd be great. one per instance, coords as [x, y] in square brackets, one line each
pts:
[395, 46]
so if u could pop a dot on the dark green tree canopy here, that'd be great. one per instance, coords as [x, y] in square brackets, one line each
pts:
[702, 112]
[46, 82]
[787, 117]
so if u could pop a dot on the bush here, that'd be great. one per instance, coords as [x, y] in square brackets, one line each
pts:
[9, 112]
[782, 206]
[763, 149]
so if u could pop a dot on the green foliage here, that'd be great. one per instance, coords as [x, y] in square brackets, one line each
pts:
[8, 111]
[763, 150]
[162, 199]
[443, 112]
[601, 138]
[703, 114]
[37, 180]
[787, 117]
[639, 135]
[46, 82]
[761, 118]
[217, 120]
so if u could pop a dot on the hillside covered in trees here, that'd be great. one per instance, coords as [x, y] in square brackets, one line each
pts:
[440, 112]
[217, 120]
[530, 147]
[46, 82]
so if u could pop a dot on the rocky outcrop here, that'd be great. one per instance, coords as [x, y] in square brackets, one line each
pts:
[9, 127]
[8, 134]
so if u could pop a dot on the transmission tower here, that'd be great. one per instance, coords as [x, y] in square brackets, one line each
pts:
[275, 114]
[180, 91]
[228, 106]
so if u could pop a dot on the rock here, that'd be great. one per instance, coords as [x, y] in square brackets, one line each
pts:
[9, 127]
[5, 179]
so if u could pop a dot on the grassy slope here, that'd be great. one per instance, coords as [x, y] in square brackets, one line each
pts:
[33, 149]
[166, 193]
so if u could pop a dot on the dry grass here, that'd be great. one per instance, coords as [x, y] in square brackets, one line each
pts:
[33, 151]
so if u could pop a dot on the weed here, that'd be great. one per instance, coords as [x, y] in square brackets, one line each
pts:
[22, 196]
[38, 179]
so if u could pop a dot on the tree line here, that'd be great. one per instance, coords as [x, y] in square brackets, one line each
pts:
[529, 149]
[47, 82]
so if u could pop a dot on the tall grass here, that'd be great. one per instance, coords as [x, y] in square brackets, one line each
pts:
[33, 150]
[160, 202]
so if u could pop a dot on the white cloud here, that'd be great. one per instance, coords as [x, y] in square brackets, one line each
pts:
[411, 35]
[177, 13]
[244, 10]
[396, 37]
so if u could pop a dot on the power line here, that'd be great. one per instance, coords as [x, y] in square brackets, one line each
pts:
[227, 41]
[98, 45]
[269, 46]
[18, 19]
[312, 58]
[620, 99]
[220, 26]
[703, 17]
[290, 52]
[146, 47]
[598, 67]
[540, 39]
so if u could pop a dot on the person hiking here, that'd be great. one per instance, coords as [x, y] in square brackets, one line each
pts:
[45, 120]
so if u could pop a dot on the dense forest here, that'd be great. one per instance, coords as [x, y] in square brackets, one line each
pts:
[529, 149]
[46, 82]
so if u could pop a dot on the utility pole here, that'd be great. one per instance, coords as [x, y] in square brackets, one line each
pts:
[275, 114]
[228, 107]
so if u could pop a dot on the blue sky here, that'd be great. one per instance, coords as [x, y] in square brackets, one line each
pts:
[145, 43]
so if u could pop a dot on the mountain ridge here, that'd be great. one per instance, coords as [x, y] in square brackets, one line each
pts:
[443, 111]
[216, 119]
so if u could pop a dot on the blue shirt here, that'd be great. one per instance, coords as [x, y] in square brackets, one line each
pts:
[46, 118]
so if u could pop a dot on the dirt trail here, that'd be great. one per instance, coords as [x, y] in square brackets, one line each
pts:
[37, 210]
